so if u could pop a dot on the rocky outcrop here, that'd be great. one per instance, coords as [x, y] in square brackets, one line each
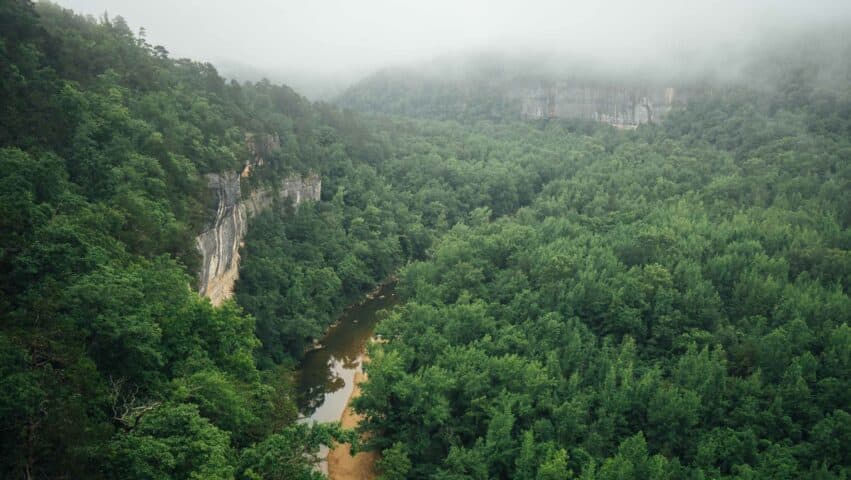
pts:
[219, 244]
[617, 106]
[296, 188]
[259, 147]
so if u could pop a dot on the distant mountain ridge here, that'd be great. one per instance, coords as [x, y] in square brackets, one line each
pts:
[505, 92]
[504, 87]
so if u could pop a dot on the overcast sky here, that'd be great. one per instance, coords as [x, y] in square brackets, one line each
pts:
[330, 36]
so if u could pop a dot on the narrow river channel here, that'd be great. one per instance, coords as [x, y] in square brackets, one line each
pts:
[326, 375]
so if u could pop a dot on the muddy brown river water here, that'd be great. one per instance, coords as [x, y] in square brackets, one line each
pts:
[326, 375]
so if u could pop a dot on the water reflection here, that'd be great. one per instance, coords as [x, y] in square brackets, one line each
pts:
[326, 375]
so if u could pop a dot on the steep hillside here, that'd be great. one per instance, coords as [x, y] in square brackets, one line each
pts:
[578, 301]
[111, 367]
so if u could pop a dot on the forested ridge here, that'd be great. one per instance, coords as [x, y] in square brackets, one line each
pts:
[666, 303]
[112, 366]
[578, 301]
[668, 309]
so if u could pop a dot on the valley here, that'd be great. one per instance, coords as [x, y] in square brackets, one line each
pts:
[598, 271]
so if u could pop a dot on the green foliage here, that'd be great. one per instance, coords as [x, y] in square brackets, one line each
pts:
[394, 463]
[112, 367]
[291, 454]
[173, 441]
[579, 302]
[653, 307]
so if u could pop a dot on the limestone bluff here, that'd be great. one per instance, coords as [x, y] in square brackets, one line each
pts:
[621, 107]
[219, 244]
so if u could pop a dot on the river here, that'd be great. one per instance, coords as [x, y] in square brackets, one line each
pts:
[326, 375]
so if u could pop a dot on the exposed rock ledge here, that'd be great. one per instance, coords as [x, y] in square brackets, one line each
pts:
[219, 245]
[622, 107]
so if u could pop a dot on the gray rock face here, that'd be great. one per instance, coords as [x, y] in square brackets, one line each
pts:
[296, 188]
[620, 107]
[219, 245]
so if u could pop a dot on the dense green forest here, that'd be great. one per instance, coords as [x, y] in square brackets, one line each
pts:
[667, 309]
[112, 367]
[578, 301]
[667, 303]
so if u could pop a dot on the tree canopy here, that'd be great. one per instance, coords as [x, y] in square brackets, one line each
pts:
[578, 301]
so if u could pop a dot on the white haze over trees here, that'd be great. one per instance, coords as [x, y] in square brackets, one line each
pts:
[320, 46]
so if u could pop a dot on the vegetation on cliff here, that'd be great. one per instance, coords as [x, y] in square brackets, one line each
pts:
[110, 365]
[668, 302]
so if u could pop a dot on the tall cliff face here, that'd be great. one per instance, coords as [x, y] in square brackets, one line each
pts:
[219, 244]
[617, 106]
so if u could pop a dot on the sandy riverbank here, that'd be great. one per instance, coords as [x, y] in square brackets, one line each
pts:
[341, 464]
